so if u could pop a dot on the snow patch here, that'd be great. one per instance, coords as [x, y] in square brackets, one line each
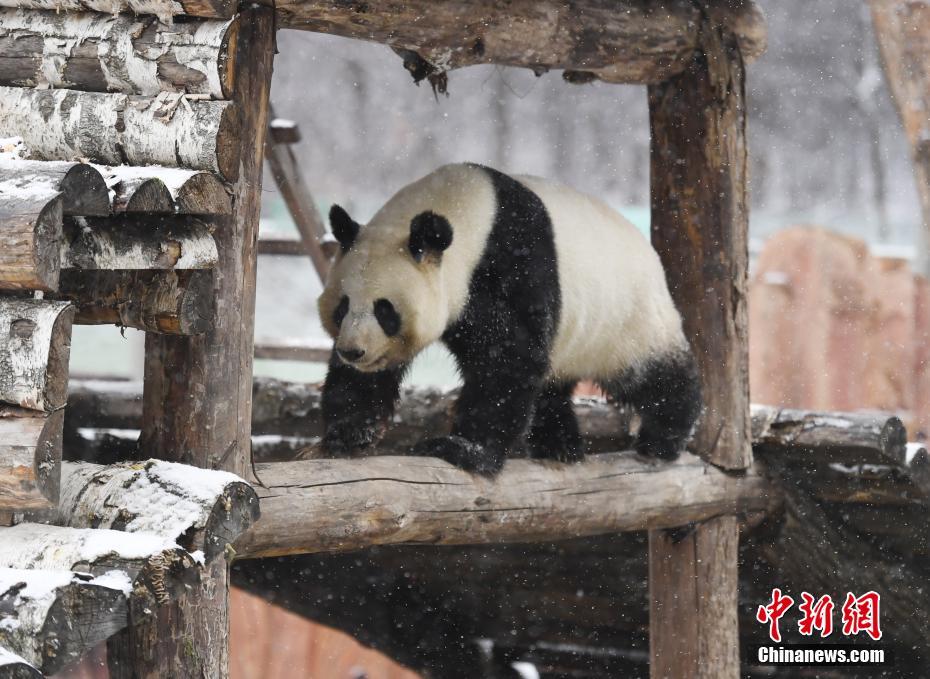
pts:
[10, 658]
[911, 451]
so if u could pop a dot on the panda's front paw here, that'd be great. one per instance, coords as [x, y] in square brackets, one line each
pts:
[658, 448]
[344, 439]
[464, 454]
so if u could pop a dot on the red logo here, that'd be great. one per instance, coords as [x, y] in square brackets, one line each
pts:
[860, 614]
[772, 613]
[817, 616]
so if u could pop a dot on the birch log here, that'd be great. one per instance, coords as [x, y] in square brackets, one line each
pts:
[13, 666]
[163, 9]
[137, 243]
[51, 618]
[35, 345]
[30, 234]
[171, 302]
[115, 53]
[117, 129]
[83, 190]
[201, 509]
[30, 463]
[341, 505]
[166, 190]
[623, 41]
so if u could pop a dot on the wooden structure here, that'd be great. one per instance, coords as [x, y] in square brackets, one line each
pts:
[163, 238]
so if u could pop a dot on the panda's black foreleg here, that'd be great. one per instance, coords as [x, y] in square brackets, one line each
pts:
[554, 434]
[356, 406]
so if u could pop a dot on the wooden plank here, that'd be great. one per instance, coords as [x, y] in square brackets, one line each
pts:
[624, 41]
[138, 242]
[294, 189]
[30, 463]
[163, 9]
[340, 505]
[170, 302]
[30, 234]
[204, 419]
[118, 129]
[115, 53]
[51, 618]
[699, 228]
[83, 190]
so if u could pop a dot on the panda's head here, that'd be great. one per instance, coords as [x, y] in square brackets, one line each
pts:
[384, 299]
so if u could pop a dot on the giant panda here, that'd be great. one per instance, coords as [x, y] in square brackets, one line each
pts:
[532, 286]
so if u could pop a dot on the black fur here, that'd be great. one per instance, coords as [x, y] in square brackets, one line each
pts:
[554, 433]
[339, 313]
[357, 406]
[387, 317]
[503, 339]
[667, 395]
[345, 229]
[429, 233]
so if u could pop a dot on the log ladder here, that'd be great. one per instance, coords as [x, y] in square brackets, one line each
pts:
[129, 195]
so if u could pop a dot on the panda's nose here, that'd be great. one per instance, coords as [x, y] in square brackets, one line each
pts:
[351, 355]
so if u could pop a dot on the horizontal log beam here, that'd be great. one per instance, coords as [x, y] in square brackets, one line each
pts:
[342, 505]
[617, 41]
[163, 9]
[118, 129]
[136, 242]
[82, 188]
[292, 351]
[202, 510]
[30, 463]
[115, 53]
[30, 234]
[51, 618]
[168, 302]
[35, 347]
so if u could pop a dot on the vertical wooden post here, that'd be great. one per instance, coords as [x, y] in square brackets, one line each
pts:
[699, 227]
[197, 398]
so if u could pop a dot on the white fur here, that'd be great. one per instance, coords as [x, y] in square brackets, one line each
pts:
[616, 308]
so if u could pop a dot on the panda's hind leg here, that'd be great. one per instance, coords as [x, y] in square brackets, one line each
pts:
[666, 393]
[554, 433]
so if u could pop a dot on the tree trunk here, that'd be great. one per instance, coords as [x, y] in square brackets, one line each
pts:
[115, 53]
[170, 302]
[116, 129]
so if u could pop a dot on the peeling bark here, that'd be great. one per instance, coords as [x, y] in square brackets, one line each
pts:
[115, 53]
[117, 129]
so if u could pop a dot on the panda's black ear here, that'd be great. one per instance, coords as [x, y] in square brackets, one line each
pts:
[345, 229]
[429, 233]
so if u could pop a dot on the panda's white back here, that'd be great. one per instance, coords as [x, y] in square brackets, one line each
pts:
[616, 310]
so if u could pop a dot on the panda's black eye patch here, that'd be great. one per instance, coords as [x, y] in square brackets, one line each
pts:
[341, 310]
[387, 316]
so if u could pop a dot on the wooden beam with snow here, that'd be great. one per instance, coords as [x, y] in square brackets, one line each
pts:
[30, 234]
[166, 190]
[51, 618]
[202, 510]
[117, 129]
[171, 302]
[292, 351]
[83, 191]
[30, 463]
[137, 242]
[625, 41]
[115, 53]
[341, 505]
[13, 666]
[163, 9]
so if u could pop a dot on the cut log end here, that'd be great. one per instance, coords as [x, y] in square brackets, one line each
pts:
[84, 192]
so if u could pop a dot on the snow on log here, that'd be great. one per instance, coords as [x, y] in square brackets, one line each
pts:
[341, 505]
[13, 666]
[35, 345]
[30, 463]
[625, 41]
[166, 190]
[51, 618]
[170, 302]
[117, 129]
[136, 242]
[115, 53]
[850, 438]
[163, 9]
[201, 509]
[83, 191]
[30, 234]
